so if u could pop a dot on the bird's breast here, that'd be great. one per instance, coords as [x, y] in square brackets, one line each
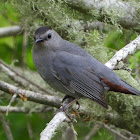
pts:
[44, 66]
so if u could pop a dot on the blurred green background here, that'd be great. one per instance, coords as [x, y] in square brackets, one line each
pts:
[11, 52]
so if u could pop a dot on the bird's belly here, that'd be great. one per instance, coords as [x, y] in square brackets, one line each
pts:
[44, 68]
[58, 86]
[54, 83]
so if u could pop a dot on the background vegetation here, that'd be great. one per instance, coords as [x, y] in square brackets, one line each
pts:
[101, 41]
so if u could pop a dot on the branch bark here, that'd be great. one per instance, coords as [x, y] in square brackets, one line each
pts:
[123, 135]
[24, 47]
[6, 127]
[125, 12]
[93, 131]
[31, 96]
[10, 31]
[3, 109]
[12, 109]
[49, 131]
[123, 53]
[53, 101]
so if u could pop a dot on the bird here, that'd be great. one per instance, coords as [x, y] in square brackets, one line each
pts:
[71, 70]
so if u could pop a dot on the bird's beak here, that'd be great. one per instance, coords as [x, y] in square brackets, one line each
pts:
[39, 40]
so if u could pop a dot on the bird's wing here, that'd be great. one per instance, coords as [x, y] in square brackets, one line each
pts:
[76, 76]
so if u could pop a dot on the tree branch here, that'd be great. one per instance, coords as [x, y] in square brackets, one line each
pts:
[123, 53]
[53, 101]
[6, 127]
[10, 31]
[30, 130]
[12, 109]
[122, 135]
[31, 96]
[93, 131]
[24, 47]
[10, 103]
[50, 129]
[125, 12]
[3, 109]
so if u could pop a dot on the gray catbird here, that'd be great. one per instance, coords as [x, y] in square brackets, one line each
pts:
[72, 71]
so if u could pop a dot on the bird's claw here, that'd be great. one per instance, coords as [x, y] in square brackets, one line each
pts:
[66, 105]
[63, 109]
[58, 110]
[78, 105]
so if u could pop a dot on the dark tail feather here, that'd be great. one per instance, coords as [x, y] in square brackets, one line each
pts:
[131, 89]
[122, 87]
[134, 91]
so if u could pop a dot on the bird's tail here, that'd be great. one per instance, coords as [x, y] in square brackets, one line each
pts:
[131, 90]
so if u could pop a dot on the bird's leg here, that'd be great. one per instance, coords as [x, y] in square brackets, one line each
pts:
[78, 105]
[66, 97]
[71, 103]
[66, 103]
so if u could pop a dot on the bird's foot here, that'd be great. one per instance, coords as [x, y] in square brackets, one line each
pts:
[62, 109]
[58, 110]
[67, 98]
[78, 105]
[67, 102]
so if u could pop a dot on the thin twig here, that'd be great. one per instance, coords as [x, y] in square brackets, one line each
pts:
[122, 68]
[73, 132]
[10, 103]
[24, 47]
[69, 132]
[115, 132]
[4, 13]
[30, 130]
[6, 127]
[130, 135]
[93, 131]
[3, 109]
[137, 68]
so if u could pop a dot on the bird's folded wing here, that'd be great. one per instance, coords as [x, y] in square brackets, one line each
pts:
[78, 78]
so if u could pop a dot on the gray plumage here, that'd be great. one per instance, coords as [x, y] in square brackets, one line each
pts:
[71, 70]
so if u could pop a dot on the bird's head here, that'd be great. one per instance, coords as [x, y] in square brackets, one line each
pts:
[47, 37]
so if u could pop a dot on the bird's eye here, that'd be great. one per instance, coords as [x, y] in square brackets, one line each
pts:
[49, 35]
[34, 37]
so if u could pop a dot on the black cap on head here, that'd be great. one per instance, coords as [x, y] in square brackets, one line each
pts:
[42, 30]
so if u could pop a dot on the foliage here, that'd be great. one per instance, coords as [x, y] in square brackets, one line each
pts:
[69, 24]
